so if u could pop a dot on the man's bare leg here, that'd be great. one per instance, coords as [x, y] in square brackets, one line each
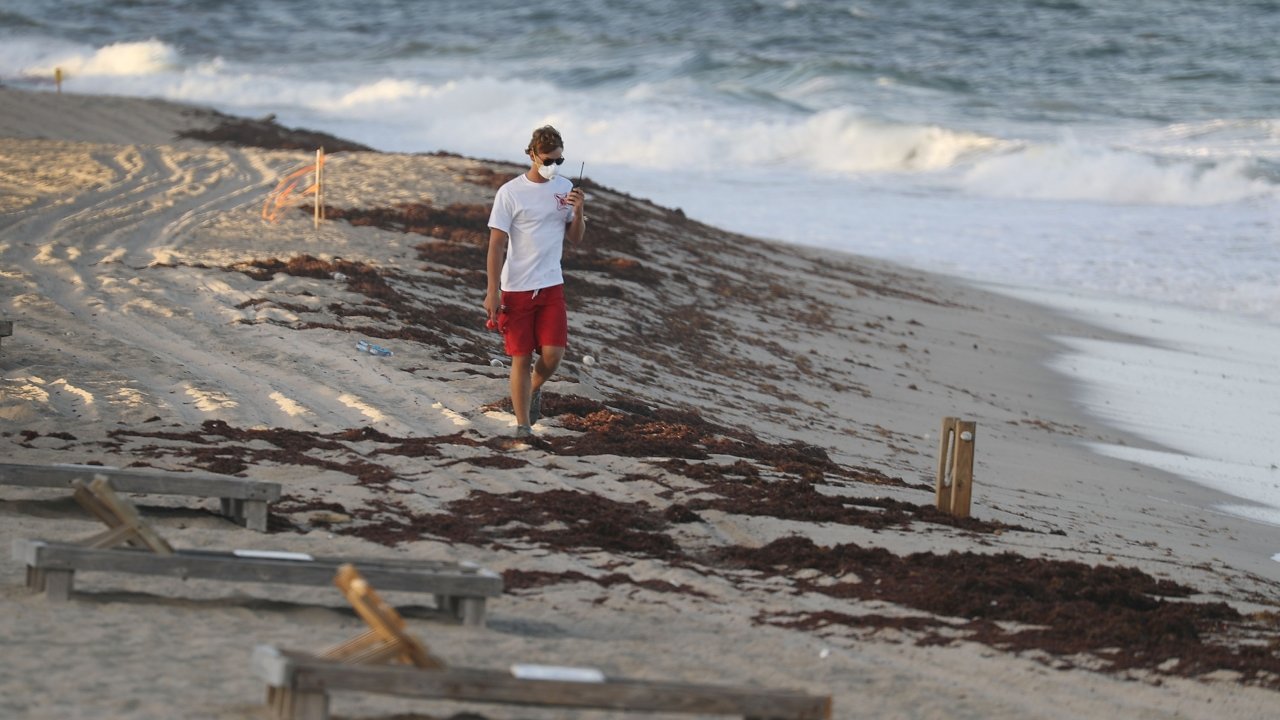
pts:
[546, 365]
[520, 388]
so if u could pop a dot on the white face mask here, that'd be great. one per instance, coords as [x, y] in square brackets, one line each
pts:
[548, 171]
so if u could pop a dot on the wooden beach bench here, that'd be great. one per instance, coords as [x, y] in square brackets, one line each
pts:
[244, 501]
[460, 589]
[298, 684]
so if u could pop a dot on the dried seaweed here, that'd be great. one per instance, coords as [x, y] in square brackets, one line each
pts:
[267, 133]
[1120, 615]
[611, 428]
[516, 580]
[559, 519]
[800, 500]
[457, 332]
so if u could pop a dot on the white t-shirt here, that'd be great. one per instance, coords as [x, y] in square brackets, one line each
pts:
[533, 215]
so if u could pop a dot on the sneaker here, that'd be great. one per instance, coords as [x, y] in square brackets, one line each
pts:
[535, 406]
[523, 431]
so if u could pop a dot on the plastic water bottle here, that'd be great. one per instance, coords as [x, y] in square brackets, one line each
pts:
[366, 346]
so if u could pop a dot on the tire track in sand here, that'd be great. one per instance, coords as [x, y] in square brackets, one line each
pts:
[106, 257]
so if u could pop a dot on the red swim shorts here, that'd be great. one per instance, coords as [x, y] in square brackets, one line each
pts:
[533, 319]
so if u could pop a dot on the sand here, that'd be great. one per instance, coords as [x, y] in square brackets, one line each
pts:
[146, 335]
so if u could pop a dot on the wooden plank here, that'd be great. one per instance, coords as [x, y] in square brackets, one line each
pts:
[308, 705]
[6, 328]
[962, 479]
[229, 567]
[128, 515]
[471, 611]
[92, 505]
[112, 538]
[230, 507]
[116, 533]
[141, 481]
[448, 605]
[358, 644]
[308, 673]
[253, 514]
[366, 648]
[58, 584]
[462, 567]
[383, 619]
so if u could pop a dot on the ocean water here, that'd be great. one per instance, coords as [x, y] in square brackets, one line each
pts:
[1202, 387]
[1109, 147]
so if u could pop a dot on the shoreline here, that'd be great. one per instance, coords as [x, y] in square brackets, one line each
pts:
[160, 324]
[1166, 385]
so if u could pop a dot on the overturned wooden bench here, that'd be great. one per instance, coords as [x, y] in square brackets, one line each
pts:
[305, 681]
[298, 684]
[460, 589]
[244, 501]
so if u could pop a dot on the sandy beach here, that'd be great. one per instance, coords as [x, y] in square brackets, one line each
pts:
[694, 506]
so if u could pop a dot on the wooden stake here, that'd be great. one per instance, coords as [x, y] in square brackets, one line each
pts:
[125, 516]
[954, 486]
[319, 187]
[962, 477]
[57, 79]
[386, 638]
[323, 156]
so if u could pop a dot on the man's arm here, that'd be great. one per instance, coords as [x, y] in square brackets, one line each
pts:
[493, 266]
[577, 226]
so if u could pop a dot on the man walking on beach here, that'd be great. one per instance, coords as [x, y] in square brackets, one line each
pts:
[532, 215]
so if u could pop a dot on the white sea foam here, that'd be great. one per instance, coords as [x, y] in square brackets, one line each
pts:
[1258, 486]
[1220, 138]
[147, 57]
[384, 91]
[1073, 170]
[840, 141]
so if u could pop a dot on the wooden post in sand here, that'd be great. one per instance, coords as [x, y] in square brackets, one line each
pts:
[319, 213]
[954, 484]
[57, 79]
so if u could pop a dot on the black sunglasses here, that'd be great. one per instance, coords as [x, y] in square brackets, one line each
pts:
[551, 161]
